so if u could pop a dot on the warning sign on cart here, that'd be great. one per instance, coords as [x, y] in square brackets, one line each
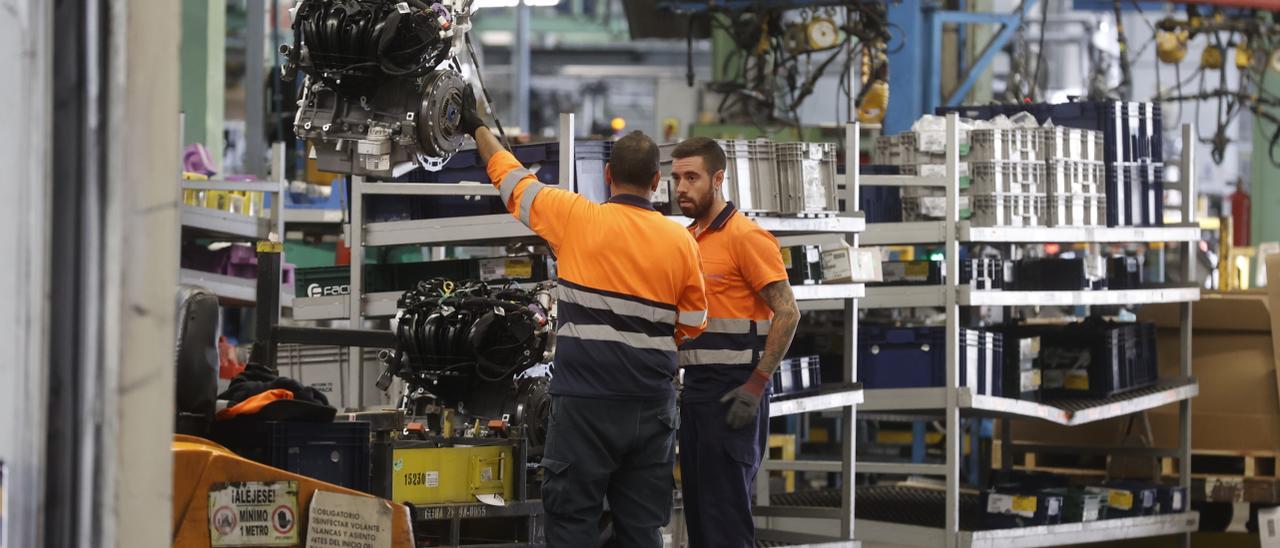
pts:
[348, 521]
[254, 513]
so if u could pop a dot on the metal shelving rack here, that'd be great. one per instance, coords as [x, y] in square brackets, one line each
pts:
[952, 401]
[844, 230]
[495, 230]
[202, 222]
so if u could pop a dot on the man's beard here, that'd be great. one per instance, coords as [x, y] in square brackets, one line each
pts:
[698, 209]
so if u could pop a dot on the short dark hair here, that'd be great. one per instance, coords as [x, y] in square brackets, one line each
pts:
[634, 160]
[713, 157]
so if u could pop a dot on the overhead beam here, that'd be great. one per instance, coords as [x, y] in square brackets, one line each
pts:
[1260, 4]
[1008, 22]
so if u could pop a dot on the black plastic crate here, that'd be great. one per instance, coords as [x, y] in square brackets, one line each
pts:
[521, 268]
[1123, 272]
[1097, 359]
[1050, 274]
[1080, 504]
[880, 204]
[803, 263]
[915, 357]
[1171, 499]
[1012, 506]
[1130, 499]
[910, 273]
[1021, 368]
[333, 452]
[983, 273]
[797, 375]
[1151, 191]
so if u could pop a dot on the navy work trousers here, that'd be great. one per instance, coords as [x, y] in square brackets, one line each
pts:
[620, 449]
[718, 466]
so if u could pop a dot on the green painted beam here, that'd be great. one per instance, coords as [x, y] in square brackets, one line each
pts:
[204, 71]
[577, 29]
[1264, 180]
[726, 57]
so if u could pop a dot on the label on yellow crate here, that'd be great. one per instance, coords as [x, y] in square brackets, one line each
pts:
[513, 267]
[267, 246]
[917, 270]
[253, 513]
[1120, 500]
[1077, 380]
[1024, 506]
[787, 261]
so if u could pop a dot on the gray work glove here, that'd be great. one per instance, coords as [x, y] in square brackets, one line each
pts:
[469, 121]
[744, 401]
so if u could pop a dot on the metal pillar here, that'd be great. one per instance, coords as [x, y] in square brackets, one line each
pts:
[352, 390]
[140, 214]
[849, 415]
[26, 33]
[521, 62]
[568, 175]
[952, 264]
[255, 108]
[1189, 250]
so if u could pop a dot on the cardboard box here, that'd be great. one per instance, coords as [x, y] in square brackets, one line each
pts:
[845, 264]
[1234, 360]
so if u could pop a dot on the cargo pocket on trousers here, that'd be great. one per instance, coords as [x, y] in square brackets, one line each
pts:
[554, 484]
[741, 449]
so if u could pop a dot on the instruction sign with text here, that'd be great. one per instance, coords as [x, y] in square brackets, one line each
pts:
[253, 513]
[348, 521]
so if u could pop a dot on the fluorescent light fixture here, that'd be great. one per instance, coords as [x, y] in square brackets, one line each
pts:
[481, 4]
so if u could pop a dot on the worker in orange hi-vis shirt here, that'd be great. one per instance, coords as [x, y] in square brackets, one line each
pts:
[752, 316]
[630, 288]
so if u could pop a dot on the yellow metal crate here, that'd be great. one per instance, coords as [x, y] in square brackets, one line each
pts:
[441, 475]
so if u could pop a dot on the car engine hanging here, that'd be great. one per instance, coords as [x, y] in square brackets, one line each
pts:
[383, 88]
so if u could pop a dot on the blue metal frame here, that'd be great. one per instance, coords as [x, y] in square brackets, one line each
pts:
[1009, 23]
[913, 94]
[908, 43]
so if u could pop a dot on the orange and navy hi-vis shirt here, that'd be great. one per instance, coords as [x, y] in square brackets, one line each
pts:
[738, 259]
[630, 286]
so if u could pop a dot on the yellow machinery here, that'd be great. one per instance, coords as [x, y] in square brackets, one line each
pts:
[423, 474]
[201, 467]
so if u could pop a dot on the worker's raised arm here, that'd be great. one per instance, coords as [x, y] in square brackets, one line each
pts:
[554, 208]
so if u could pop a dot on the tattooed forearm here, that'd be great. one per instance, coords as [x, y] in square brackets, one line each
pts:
[786, 316]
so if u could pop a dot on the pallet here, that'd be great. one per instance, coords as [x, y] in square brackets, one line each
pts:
[1216, 476]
